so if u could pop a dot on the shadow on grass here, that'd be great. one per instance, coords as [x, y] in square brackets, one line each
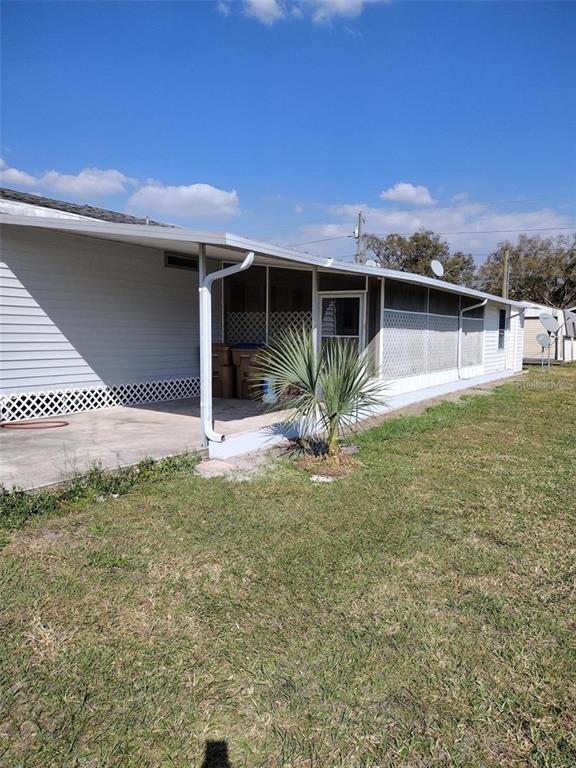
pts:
[216, 755]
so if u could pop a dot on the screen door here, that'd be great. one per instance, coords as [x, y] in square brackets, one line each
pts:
[341, 319]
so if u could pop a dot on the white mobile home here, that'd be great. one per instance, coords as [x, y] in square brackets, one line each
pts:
[95, 314]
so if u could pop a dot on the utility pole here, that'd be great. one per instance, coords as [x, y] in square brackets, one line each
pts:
[360, 239]
[506, 274]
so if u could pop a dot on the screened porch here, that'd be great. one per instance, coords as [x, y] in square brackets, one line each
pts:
[409, 329]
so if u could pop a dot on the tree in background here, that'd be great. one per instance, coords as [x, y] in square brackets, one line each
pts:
[414, 254]
[542, 270]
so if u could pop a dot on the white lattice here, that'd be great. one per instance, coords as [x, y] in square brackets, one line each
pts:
[472, 340]
[442, 343]
[417, 343]
[245, 327]
[282, 321]
[404, 344]
[29, 405]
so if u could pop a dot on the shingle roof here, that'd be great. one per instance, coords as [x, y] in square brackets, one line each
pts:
[104, 214]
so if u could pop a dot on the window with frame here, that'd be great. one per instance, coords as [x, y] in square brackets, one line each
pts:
[502, 322]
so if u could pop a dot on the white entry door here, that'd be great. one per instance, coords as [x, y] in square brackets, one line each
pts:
[341, 317]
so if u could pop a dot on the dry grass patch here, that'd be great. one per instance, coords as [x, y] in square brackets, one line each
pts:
[329, 466]
[420, 611]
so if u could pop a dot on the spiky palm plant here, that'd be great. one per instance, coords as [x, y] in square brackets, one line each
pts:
[325, 393]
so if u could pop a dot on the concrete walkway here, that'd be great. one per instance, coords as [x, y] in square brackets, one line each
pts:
[116, 437]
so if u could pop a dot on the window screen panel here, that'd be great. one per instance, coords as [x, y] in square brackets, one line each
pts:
[373, 324]
[290, 301]
[468, 301]
[340, 281]
[444, 303]
[442, 343]
[290, 290]
[245, 307]
[405, 296]
[246, 291]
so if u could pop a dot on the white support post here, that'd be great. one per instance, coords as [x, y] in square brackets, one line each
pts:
[205, 288]
[381, 331]
[205, 349]
[315, 313]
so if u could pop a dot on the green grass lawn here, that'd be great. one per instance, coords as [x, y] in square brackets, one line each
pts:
[419, 612]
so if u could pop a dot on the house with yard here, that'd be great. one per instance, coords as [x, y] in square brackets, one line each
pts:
[99, 310]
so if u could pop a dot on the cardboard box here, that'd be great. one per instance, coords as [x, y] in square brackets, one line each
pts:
[223, 381]
[246, 384]
[221, 354]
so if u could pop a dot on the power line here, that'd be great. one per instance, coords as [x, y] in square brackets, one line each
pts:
[323, 240]
[463, 232]
[486, 231]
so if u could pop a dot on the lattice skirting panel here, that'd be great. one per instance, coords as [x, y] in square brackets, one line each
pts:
[280, 322]
[415, 343]
[245, 327]
[250, 327]
[33, 405]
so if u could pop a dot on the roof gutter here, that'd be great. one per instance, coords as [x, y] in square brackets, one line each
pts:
[205, 290]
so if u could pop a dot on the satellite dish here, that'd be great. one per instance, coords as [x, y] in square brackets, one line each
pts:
[549, 322]
[544, 340]
[437, 268]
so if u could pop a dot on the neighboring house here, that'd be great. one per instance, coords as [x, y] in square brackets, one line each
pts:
[563, 348]
[96, 313]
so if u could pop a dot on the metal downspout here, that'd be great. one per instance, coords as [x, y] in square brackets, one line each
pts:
[466, 309]
[205, 290]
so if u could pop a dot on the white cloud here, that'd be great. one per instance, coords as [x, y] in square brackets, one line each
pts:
[325, 10]
[298, 209]
[184, 201]
[412, 194]
[14, 177]
[319, 11]
[224, 8]
[469, 226]
[148, 196]
[90, 182]
[266, 11]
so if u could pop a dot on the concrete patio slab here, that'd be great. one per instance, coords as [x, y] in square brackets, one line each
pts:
[117, 437]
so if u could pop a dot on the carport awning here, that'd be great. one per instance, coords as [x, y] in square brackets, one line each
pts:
[223, 245]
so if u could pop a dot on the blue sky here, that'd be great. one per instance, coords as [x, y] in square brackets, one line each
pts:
[280, 119]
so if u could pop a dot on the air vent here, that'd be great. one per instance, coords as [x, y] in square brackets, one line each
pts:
[180, 260]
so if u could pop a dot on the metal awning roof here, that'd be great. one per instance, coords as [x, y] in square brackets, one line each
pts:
[223, 245]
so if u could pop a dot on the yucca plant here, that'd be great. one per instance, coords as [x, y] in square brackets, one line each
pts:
[326, 393]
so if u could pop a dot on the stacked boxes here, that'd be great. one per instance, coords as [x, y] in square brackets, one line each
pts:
[222, 371]
[243, 360]
[232, 371]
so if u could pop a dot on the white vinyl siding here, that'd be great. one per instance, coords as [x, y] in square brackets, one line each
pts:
[518, 340]
[76, 311]
[494, 358]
